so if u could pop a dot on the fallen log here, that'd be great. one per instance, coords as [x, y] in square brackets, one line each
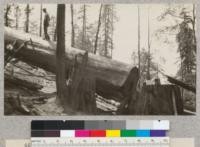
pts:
[181, 84]
[110, 74]
[113, 79]
[13, 104]
[21, 83]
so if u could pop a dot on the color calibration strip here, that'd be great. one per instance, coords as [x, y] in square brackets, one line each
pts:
[100, 125]
[99, 133]
[100, 142]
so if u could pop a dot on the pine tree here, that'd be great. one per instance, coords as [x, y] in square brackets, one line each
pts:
[98, 29]
[52, 27]
[83, 9]
[7, 19]
[27, 22]
[108, 18]
[72, 26]
[186, 46]
[40, 32]
[17, 16]
[149, 52]
[185, 36]
[139, 68]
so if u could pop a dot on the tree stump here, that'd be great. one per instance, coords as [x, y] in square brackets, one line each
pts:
[128, 91]
[158, 100]
[81, 88]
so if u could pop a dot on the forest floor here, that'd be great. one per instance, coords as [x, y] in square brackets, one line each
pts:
[44, 102]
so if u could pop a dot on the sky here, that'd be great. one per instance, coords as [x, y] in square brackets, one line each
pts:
[126, 31]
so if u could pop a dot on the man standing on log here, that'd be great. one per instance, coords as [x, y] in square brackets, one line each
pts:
[46, 24]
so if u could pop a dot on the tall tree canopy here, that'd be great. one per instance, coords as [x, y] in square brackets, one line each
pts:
[187, 47]
[184, 30]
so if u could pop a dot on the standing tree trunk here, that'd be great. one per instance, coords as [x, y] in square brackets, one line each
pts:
[55, 34]
[149, 58]
[27, 18]
[106, 31]
[17, 17]
[72, 26]
[98, 29]
[193, 24]
[84, 27]
[60, 52]
[107, 21]
[139, 39]
[6, 16]
[40, 20]
[112, 30]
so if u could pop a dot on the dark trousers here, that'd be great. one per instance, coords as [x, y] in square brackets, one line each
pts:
[46, 35]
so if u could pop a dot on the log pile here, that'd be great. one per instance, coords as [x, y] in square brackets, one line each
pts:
[13, 103]
[11, 80]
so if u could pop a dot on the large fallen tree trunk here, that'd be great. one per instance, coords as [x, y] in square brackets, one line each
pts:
[110, 74]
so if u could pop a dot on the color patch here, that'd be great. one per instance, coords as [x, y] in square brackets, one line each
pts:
[128, 133]
[100, 125]
[143, 133]
[98, 133]
[161, 125]
[82, 133]
[118, 125]
[67, 133]
[112, 133]
[52, 133]
[158, 133]
[37, 133]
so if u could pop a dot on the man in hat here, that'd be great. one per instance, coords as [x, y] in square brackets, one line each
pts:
[46, 24]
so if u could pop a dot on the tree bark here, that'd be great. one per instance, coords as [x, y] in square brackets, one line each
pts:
[60, 52]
